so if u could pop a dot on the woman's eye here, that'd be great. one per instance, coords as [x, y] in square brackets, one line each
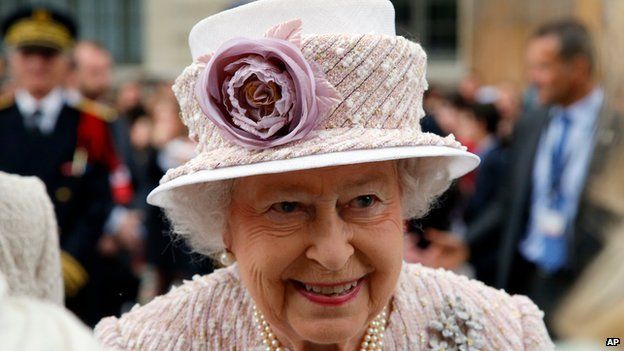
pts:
[363, 201]
[285, 207]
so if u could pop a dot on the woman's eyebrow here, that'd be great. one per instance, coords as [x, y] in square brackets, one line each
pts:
[286, 190]
[368, 179]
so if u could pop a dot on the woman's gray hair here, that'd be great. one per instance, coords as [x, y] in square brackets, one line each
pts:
[198, 213]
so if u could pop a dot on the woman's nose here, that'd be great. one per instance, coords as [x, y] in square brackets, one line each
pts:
[330, 243]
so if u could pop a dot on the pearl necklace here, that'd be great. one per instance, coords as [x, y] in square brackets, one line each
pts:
[373, 339]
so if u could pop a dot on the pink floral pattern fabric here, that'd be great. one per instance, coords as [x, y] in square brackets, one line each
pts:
[214, 312]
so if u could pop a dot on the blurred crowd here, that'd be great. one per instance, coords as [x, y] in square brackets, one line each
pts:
[514, 223]
[482, 118]
[135, 258]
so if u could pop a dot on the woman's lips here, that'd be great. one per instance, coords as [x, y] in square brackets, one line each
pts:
[332, 294]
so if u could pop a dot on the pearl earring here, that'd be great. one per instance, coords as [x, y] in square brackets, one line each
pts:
[226, 258]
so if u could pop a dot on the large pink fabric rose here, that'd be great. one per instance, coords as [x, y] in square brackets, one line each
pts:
[262, 93]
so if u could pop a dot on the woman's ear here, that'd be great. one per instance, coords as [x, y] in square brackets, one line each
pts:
[227, 236]
[229, 228]
[227, 257]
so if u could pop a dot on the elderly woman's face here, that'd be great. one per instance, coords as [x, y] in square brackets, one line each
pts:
[319, 250]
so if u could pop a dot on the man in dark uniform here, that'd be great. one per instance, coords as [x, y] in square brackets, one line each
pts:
[68, 148]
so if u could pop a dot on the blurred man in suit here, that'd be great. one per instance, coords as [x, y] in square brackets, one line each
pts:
[545, 242]
[69, 148]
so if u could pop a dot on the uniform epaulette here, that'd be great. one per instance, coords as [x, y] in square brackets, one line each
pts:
[6, 100]
[96, 109]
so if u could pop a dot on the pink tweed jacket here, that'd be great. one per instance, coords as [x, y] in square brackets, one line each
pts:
[431, 310]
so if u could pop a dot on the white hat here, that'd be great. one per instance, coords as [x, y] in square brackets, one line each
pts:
[29, 243]
[30, 324]
[282, 85]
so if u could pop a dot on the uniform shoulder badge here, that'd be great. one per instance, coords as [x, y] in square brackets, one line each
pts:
[96, 109]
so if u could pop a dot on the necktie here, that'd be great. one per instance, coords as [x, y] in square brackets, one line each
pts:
[555, 247]
[34, 121]
[559, 160]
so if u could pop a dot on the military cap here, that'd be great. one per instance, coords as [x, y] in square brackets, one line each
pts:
[39, 27]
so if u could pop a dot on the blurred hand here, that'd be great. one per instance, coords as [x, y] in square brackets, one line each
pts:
[445, 250]
[411, 252]
[129, 234]
[107, 246]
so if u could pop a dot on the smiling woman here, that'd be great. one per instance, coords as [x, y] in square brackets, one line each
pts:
[318, 248]
[310, 158]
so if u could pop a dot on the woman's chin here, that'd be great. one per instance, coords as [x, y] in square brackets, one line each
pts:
[329, 331]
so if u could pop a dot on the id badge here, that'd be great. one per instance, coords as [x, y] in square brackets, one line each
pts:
[551, 222]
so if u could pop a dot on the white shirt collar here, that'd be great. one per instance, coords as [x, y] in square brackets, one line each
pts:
[50, 107]
[585, 111]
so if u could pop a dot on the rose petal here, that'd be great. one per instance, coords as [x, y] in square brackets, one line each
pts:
[268, 122]
[290, 30]
[265, 73]
[326, 94]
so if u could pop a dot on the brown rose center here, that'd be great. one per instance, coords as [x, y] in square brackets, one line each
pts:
[262, 95]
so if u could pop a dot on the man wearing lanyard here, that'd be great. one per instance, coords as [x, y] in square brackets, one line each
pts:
[559, 172]
[536, 216]
[542, 252]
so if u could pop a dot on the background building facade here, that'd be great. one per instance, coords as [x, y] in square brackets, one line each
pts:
[148, 38]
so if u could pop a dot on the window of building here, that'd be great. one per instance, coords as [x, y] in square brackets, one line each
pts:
[433, 23]
[114, 23]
